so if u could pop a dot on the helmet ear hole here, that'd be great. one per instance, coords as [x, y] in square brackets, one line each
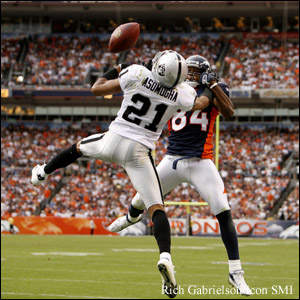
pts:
[169, 68]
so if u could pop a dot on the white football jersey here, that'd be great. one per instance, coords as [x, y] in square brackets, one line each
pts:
[147, 106]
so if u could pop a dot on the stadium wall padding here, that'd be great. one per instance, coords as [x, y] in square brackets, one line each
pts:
[200, 227]
[244, 228]
[57, 225]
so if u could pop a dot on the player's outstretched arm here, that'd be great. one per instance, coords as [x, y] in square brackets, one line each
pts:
[203, 100]
[104, 87]
[201, 103]
[108, 83]
[221, 100]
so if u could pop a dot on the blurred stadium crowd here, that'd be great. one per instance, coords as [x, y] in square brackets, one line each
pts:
[251, 158]
[251, 164]
[65, 60]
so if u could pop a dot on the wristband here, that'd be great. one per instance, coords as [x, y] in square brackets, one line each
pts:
[111, 74]
[123, 66]
[213, 85]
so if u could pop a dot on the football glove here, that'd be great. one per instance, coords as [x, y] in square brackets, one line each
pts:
[208, 78]
[124, 66]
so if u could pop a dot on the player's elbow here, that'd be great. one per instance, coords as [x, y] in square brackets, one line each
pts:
[98, 87]
[228, 113]
[96, 91]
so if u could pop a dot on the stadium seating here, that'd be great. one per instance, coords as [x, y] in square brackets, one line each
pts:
[65, 59]
[250, 164]
[262, 64]
[250, 159]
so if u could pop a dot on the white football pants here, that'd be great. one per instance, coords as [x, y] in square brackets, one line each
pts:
[134, 157]
[201, 173]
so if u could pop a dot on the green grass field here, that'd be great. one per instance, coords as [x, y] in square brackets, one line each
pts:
[112, 267]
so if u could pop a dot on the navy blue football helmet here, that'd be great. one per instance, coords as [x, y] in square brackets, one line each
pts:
[196, 65]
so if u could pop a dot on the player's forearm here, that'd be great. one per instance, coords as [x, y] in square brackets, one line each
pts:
[224, 103]
[203, 100]
[108, 84]
[100, 81]
[98, 87]
[201, 103]
[104, 87]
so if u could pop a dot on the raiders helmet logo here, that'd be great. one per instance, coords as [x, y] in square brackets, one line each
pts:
[161, 70]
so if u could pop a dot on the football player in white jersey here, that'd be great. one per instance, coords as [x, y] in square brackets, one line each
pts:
[151, 98]
[189, 159]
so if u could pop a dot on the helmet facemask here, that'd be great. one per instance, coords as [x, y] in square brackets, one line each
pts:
[193, 76]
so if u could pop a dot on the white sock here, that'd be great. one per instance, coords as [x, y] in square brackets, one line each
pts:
[234, 265]
[166, 255]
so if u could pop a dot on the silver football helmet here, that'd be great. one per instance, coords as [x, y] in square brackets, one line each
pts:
[169, 68]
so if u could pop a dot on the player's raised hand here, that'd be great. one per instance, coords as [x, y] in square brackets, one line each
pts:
[121, 67]
[208, 79]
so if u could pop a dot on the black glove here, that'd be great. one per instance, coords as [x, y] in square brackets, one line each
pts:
[123, 66]
[148, 65]
[208, 78]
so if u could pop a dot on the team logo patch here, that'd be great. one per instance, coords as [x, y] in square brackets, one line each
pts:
[161, 70]
[204, 79]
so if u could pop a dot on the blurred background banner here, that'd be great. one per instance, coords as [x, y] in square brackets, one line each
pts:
[244, 228]
[57, 225]
[179, 227]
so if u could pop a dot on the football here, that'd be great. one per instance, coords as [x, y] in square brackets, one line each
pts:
[124, 37]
